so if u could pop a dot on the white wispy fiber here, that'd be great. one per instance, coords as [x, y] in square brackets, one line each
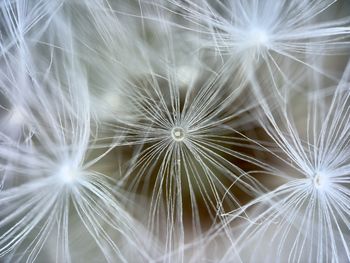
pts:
[174, 131]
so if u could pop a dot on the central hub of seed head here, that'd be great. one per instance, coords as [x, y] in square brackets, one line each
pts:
[68, 174]
[178, 134]
[257, 42]
[259, 38]
[319, 181]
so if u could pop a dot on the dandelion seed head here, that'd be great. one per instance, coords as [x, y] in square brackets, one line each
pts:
[178, 134]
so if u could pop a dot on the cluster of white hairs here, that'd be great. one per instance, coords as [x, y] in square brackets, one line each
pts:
[174, 131]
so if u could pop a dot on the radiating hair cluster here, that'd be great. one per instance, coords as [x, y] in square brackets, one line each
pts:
[175, 131]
